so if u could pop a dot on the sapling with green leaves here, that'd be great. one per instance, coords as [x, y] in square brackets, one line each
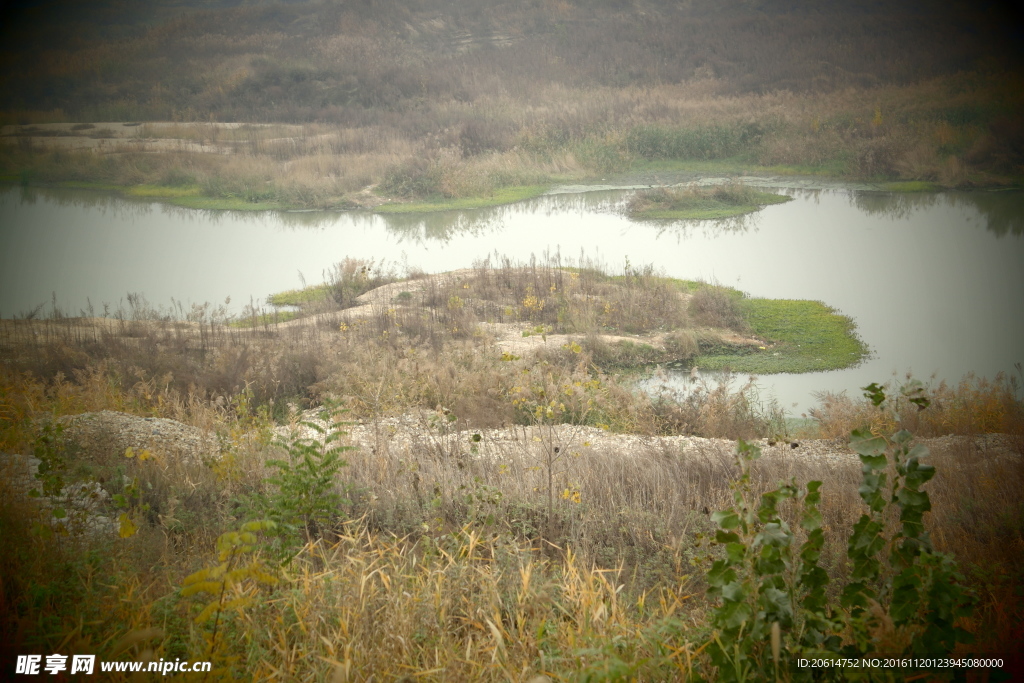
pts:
[764, 589]
[917, 588]
[902, 598]
[306, 498]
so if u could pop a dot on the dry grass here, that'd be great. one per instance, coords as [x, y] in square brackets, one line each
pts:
[450, 569]
[934, 131]
[525, 551]
[972, 406]
[420, 344]
[308, 105]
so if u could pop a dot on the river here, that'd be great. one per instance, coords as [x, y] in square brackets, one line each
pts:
[934, 282]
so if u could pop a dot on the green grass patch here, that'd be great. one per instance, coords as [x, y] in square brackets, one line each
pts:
[265, 319]
[505, 195]
[700, 203]
[164, 191]
[629, 355]
[804, 336]
[300, 297]
[186, 196]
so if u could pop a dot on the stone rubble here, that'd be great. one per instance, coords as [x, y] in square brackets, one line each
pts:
[415, 434]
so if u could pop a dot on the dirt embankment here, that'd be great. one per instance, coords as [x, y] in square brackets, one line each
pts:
[518, 338]
[114, 137]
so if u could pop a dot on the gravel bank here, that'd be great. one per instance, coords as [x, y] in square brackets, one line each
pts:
[422, 436]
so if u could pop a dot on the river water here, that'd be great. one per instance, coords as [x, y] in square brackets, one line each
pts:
[934, 282]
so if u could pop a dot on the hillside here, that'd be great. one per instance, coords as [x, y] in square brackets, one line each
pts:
[430, 100]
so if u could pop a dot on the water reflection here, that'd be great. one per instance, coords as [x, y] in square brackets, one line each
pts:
[443, 226]
[687, 229]
[104, 202]
[897, 206]
[1000, 211]
[440, 226]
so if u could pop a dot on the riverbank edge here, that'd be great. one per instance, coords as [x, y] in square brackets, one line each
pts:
[805, 335]
[640, 173]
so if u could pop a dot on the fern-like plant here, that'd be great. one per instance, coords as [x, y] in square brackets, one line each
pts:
[305, 497]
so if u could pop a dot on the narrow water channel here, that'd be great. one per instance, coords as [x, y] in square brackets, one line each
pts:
[935, 282]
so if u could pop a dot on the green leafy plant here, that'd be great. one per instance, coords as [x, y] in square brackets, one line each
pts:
[763, 587]
[913, 589]
[902, 598]
[130, 499]
[306, 497]
[49, 449]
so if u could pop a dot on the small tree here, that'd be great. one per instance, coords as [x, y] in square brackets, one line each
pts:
[903, 598]
[306, 498]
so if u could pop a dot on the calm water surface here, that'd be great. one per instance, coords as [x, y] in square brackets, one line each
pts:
[934, 282]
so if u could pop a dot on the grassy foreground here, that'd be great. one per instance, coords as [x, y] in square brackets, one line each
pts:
[512, 514]
[420, 559]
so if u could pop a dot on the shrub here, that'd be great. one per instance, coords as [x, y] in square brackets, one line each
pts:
[905, 601]
[353, 277]
[715, 306]
[306, 501]
[702, 142]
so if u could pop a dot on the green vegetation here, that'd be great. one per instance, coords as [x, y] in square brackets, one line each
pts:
[804, 336]
[313, 294]
[774, 603]
[264, 319]
[193, 197]
[701, 203]
[303, 499]
[672, 321]
[504, 195]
